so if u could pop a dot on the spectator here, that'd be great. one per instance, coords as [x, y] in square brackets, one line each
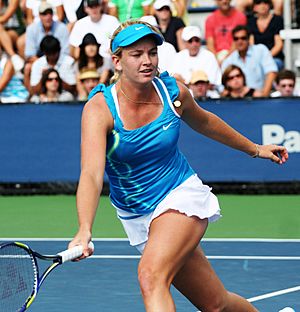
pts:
[74, 10]
[264, 27]
[12, 89]
[166, 51]
[255, 61]
[52, 58]
[218, 27]
[33, 14]
[199, 86]
[171, 27]
[245, 5]
[9, 28]
[124, 9]
[11, 18]
[89, 58]
[51, 89]
[234, 82]
[45, 26]
[100, 25]
[285, 84]
[195, 57]
[89, 79]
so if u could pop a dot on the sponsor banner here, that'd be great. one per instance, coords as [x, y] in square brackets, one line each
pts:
[266, 121]
[41, 143]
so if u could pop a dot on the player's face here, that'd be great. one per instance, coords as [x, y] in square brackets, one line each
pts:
[138, 62]
[286, 87]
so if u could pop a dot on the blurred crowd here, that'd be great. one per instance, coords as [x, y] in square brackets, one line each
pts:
[58, 50]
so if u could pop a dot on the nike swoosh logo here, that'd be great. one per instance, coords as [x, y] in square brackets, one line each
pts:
[167, 126]
[138, 28]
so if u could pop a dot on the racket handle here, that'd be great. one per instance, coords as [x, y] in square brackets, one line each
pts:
[73, 253]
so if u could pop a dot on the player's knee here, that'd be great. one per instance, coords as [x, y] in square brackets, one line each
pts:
[216, 305]
[149, 279]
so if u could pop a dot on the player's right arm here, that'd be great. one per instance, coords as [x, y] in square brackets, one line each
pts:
[96, 123]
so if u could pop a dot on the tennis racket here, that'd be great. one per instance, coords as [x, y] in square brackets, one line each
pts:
[20, 280]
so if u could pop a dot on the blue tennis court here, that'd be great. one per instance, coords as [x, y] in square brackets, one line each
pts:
[266, 272]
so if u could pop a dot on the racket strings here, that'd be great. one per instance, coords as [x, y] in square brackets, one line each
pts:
[18, 277]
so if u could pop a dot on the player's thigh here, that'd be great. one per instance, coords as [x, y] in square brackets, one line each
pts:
[172, 238]
[198, 282]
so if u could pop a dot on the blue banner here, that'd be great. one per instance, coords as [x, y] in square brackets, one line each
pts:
[41, 143]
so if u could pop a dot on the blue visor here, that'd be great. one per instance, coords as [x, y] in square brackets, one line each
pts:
[133, 33]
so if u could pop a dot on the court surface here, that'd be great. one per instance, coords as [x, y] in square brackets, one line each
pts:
[266, 272]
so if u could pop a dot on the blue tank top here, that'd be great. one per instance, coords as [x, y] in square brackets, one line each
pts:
[143, 165]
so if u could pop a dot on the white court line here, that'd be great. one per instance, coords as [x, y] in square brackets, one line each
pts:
[279, 258]
[255, 240]
[274, 294]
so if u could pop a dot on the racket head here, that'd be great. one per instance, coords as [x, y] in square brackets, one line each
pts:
[19, 277]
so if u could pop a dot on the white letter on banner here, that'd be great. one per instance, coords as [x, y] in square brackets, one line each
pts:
[272, 134]
[292, 141]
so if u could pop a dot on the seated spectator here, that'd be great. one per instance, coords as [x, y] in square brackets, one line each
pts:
[32, 10]
[255, 61]
[245, 6]
[37, 31]
[218, 27]
[11, 18]
[166, 51]
[52, 58]
[200, 87]
[90, 59]
[285, 84]
[89, 79]
[264, 27]
[51, 89]
[124, 10]
[12, 89]
[74, 10]
[195, 57]
[45, 26]
[170, 26]
[99, 24]
[234, 82]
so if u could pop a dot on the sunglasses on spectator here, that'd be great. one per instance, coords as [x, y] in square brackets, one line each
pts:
[233, 77]
[194, 39]
[260, 1]
[52, 78]
[244, 38]
[164, 8]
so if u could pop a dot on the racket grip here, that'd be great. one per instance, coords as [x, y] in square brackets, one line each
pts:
[73, 253]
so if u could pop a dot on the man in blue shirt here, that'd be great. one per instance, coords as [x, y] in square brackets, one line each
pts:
[35, 32]
[255, 61]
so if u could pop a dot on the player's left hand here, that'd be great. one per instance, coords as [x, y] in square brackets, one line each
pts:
[275, 153]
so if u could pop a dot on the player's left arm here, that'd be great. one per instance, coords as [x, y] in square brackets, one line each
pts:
[215, 128]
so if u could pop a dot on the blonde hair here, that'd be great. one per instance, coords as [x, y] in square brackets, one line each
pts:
[118, 51]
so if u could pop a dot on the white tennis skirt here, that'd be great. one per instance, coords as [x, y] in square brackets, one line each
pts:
[191, 198]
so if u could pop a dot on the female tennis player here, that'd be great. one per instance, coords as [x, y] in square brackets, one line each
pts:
[130, 129]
